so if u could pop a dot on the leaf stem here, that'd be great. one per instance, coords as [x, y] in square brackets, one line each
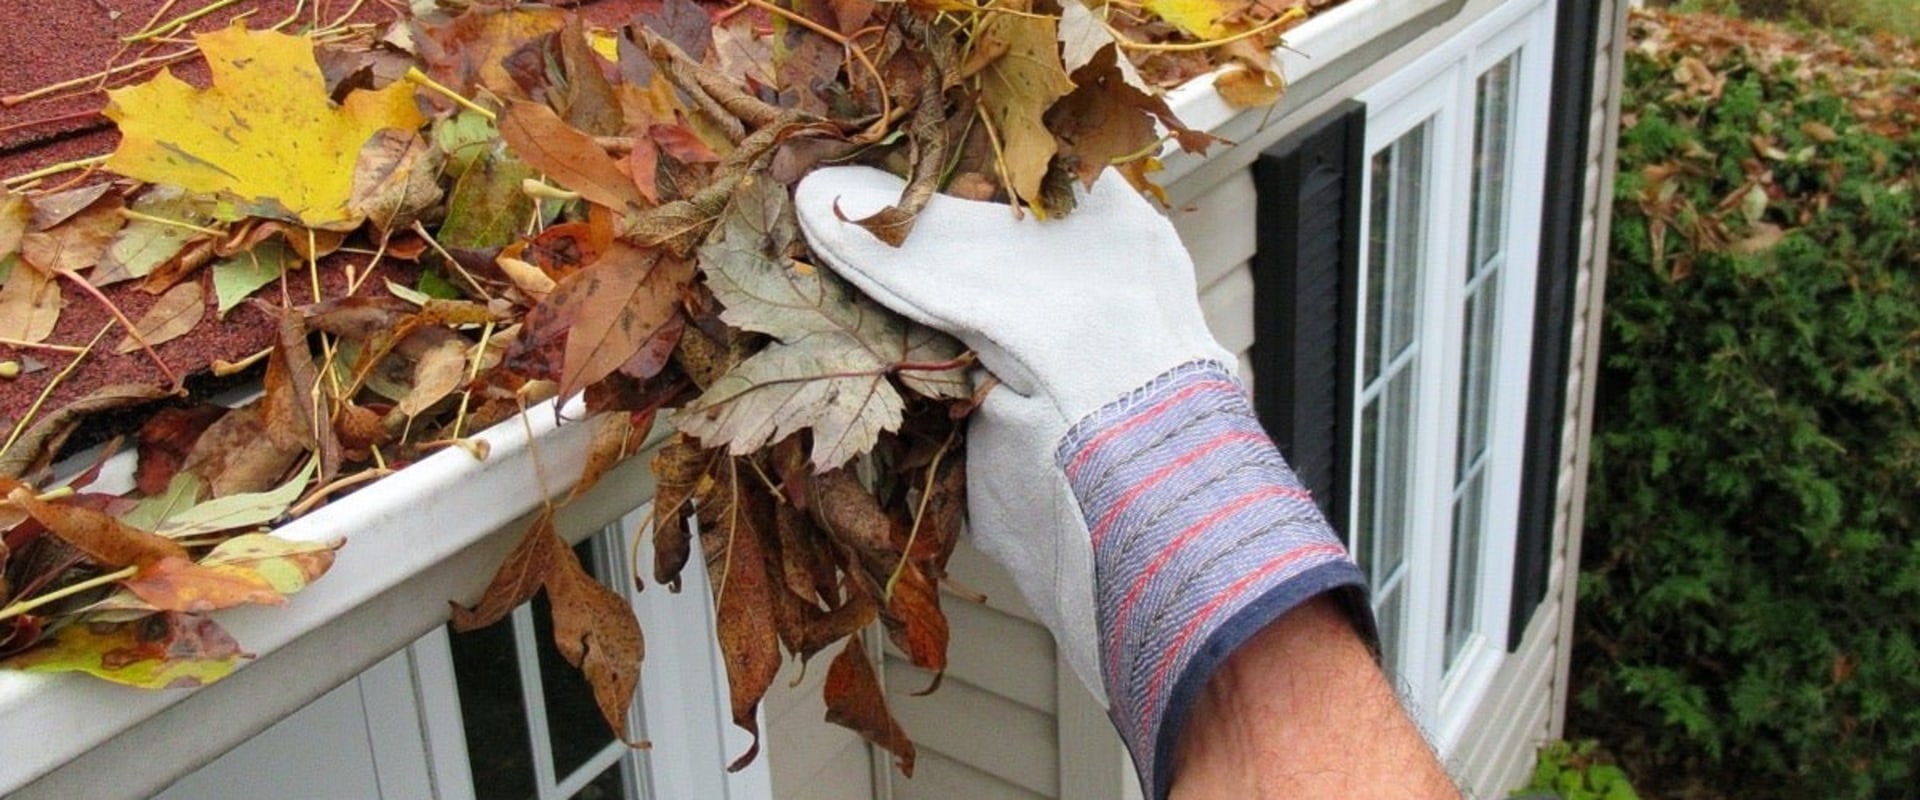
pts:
[919, 513]
[55, 169]
[174, 25]
[473, 373]
[135, 215]
[73, 83]
[54, 348]
[30, 604]
[418, 78]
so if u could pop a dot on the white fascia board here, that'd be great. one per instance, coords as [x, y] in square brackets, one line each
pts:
[428, 534]
[1314, 44]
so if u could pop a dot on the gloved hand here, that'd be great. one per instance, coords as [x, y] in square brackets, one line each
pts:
[1118, 472]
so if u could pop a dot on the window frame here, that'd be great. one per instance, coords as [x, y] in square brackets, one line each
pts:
[1439, 90]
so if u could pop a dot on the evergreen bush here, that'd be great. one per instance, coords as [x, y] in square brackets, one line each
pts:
[1750, 595]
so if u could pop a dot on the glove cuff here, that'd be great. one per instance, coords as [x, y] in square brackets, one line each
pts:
[1201, 536]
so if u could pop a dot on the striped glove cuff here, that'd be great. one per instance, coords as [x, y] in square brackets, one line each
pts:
[1201, 537]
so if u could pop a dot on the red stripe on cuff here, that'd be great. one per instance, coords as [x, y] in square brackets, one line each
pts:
[1086, 452]
[1200, 617]
[1172, 548]
[1120, 504]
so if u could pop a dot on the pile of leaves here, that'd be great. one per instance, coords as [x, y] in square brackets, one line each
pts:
[1750, 601]
[461, 214]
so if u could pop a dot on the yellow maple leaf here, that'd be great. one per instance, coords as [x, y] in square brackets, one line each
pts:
[264, 133]
[1017, 88]
[1200, 18]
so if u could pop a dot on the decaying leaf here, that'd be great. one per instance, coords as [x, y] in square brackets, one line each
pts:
[521, 575]
[105, 539]
[595, 630]
[160, 651]
[239, 510]
[856, 700]
[176, 584]
[732, 524]
[234, 138]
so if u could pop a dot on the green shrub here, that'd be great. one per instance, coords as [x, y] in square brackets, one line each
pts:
[1750, 595]
[1576, 771]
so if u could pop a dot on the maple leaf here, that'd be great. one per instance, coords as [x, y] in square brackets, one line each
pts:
[827, 368]
[234, 138]
[1017, 88]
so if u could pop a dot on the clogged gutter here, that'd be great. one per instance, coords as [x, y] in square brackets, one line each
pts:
[412, 229]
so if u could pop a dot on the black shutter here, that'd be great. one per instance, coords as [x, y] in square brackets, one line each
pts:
[1305, 283]
[1574, 50]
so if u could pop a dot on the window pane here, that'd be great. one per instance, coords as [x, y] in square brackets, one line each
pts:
[608, 786]
[1492, 132]
[1365, 492]
[1378, 233]
[1387, 614]
[1396, 449]
[1406, 253]
[492, 713]
[1464, 598]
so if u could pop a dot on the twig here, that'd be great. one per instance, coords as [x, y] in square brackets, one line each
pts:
[473, 373]
[133, 331]
[451, 261]
[307, 504]
[63, 592]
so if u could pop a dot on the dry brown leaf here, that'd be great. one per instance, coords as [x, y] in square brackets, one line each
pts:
[172, 316]
[855, 700]
[678, 470]
[733, 517]
[518, 578]
[569, 157]
[29, 305]
[99, 535]
[596, 631]
[623, 300]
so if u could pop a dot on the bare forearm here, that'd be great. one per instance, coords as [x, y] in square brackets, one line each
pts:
[1301, 711]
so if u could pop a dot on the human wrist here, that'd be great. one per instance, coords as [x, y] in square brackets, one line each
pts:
[1201, 535]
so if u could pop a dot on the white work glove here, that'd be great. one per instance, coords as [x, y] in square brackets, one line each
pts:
[1118, 472]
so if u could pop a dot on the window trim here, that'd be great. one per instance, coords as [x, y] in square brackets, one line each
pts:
[1439, 89]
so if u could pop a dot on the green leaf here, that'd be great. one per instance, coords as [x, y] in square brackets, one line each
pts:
[145, 244]
[237, 277]
[180, 495]
[237, 510]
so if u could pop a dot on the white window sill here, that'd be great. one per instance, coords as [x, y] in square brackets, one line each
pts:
[416, 539]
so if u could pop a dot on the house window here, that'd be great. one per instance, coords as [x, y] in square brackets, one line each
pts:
[1450, 192]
